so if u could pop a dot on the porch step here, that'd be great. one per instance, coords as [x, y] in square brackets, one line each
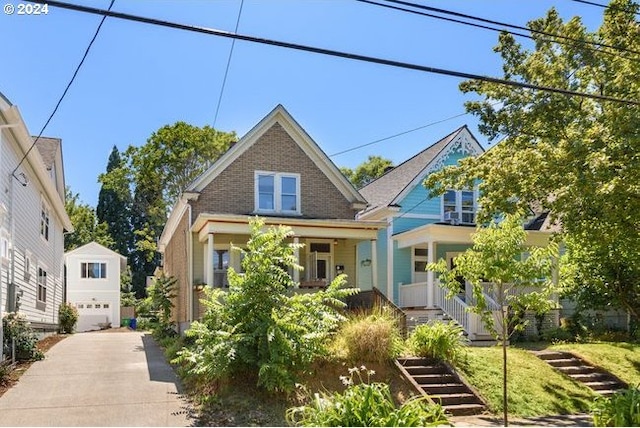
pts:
[596, 378]
[442, 385]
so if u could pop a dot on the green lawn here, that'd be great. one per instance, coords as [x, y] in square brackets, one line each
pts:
[535, 389]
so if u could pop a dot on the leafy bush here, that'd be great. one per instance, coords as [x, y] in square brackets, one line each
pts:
[557, 335]
[619, 410]
[17, 329]
[369, 337]
[365, 404]
[439, 341]
[67, 318]
[258, 325]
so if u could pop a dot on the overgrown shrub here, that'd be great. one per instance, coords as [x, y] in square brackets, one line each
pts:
[439, 341]
[619, 410]
[258, 325]
[557, 335]
[67, 318]
[17, 329]
[365, 404]
[369, 337]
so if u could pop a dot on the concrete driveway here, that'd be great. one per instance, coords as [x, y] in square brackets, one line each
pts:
[98, 379]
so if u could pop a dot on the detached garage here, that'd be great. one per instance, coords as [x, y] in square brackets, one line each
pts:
[93, 285]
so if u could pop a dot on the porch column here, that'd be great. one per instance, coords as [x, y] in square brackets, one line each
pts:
[430, 275]
[296, 253]
[209, 259]
[374, 263]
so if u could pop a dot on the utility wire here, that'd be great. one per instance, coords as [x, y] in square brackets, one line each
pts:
[493, 22]
[75, 73]
[604, 6]
[397, 135]
[328, 52]
[226, 71]
[496, 29]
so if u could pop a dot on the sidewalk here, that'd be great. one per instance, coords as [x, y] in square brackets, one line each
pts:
[98, 379]
[580, 420]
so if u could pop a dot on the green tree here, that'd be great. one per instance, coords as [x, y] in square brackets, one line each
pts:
[367, 171]
[85, 224]
[259, 324]
[160, 301]
[159, 171]
[575, 157]
[497, 258]
[114, 203]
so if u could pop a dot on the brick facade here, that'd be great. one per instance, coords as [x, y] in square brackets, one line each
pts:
[175, 264]
[232, 191]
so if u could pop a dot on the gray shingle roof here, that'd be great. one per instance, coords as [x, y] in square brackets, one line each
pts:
[382, 191]
[48, 148]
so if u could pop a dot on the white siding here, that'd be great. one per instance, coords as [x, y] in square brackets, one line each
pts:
[23, 204]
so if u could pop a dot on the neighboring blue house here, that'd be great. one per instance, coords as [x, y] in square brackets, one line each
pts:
[421, 230]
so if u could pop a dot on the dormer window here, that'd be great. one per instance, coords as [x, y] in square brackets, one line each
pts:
[277, 192]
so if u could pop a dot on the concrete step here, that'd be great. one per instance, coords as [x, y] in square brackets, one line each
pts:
[590, 377]
[464, 409]
[565, 362]
[434, 378]
[425, 370]
[606, 385]
[444, 388]
[552, 355]
[580, 370]
[453, 399]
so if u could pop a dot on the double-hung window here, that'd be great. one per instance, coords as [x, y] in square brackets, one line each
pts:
[93, 270]
[42, 285]
[44, 221]
[462, 202]
[277, 192]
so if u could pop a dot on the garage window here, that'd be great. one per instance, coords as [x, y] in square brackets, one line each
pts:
[93, 270]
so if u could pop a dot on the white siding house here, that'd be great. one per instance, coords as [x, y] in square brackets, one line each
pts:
[32, 222]
[93, 285]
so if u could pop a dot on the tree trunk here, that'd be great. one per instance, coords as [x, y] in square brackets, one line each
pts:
[504, 365]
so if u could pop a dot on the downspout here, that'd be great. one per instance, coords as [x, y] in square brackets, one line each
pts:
[189, 267]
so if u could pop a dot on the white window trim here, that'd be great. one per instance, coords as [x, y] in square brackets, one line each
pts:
[277, 190]
[28, 263]
[100, 262]
[415, 259]
[459, 203]
[44, 206]
[46, 284]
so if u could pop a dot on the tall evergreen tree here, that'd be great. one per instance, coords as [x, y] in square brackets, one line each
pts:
[114, 203]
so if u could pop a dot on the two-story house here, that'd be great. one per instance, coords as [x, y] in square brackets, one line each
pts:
[420, 229]
[33, 221]
[275, 171]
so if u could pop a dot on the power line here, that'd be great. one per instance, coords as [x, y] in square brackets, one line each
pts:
[75, 73]
[489, 21]
[605, 6]
[226, 71]
[328, 52]
[398, 134]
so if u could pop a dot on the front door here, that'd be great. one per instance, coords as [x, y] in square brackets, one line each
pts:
[451, 263]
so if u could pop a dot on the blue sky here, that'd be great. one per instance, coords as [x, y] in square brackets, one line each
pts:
[138, 77]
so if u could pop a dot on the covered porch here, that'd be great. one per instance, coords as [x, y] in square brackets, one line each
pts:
[329, 249]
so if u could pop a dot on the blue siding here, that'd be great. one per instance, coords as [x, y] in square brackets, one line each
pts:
[402, 224]
[401, 269]
[443, 249]
[382, 260]
[364, 273]
[415, 202]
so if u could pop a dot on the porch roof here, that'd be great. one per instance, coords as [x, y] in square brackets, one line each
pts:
[446, 233]
[317, 228]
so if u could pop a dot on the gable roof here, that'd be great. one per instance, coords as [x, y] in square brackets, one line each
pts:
[48, 148]
[390, 188]
[93, 248]
[280, 115]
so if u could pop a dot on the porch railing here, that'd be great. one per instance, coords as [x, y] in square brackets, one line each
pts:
[457, 309]
[413, 295]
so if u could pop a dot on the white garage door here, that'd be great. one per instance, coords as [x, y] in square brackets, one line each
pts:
[93, 315]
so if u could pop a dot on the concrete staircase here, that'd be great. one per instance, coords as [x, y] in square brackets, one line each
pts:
[597, 379]
[442, 385]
